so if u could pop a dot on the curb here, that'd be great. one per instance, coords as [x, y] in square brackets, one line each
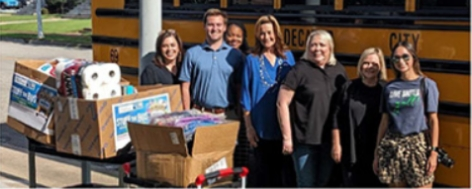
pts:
[48, 43]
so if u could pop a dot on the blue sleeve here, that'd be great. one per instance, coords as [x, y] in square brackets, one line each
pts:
[290, 58]
[246, 84]
[432, 96]
[187, 66]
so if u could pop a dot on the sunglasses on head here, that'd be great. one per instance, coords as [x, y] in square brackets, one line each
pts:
[396, 59]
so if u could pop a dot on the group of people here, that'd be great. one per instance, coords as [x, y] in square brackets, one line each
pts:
[302, 115]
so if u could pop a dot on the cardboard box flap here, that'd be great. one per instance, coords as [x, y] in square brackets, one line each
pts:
[221, 137]
[159, 139]
[29, 68]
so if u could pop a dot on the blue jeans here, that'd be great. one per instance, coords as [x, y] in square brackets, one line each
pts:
[313, 164]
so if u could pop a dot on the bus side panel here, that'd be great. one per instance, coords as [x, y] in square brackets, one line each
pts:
[125, 56]
[459, 175]
[116, 27]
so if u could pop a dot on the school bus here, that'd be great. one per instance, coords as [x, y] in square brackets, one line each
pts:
[439, 29]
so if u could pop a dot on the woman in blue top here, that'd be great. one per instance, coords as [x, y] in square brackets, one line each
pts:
[404, 156]
[265, 68]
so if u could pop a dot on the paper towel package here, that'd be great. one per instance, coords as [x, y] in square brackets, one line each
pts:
[32, 98]
[98, 128]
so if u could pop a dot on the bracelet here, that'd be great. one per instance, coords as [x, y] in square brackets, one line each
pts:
[434, 148]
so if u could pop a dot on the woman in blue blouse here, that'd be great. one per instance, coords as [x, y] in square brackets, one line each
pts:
[262, 74]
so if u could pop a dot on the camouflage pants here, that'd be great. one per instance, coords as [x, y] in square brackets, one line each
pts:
[404, 159]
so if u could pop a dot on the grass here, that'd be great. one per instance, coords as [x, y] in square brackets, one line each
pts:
[66, 26]
[8, 18]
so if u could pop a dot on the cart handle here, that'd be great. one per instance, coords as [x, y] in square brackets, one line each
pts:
[242, 171]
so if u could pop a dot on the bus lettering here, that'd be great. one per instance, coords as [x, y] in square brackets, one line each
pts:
[297, 37]
[412, 38]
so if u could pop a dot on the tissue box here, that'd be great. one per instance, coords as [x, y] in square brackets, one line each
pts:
[32, 94]
[162, 154]
[98, 128]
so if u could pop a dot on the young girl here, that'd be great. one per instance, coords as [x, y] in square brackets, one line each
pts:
[410, 103]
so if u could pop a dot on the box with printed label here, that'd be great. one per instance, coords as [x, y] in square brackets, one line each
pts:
[162, 153]
[98, 128]
[32, 94]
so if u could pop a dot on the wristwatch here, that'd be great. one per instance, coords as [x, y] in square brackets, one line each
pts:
[434, 148]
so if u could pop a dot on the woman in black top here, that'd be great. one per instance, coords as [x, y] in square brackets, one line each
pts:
[167, 61]
[310, 90]
[356, 121]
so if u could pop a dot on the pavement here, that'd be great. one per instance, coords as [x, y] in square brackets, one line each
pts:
[51, 171]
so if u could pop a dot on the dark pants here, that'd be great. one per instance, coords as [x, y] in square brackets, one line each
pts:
[313, 164]
[361, 174]
[272, 168]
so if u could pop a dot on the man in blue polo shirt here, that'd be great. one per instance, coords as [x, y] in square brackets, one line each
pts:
[210, 71]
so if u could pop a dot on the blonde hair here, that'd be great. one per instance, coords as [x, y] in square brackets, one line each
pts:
[377, 51]
[325, 36]
[215, 12]
[279, 46]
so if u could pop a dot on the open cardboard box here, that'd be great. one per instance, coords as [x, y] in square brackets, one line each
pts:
[98, 128]
[162, 154]
[31, 102]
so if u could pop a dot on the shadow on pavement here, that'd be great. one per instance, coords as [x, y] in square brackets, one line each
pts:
[19, 180]
[14, 140]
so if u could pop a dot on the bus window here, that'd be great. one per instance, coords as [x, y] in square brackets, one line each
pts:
[307, 2]
[251, 2]
[393, 3]
[444, 3]
[183, 2]
[134, 4]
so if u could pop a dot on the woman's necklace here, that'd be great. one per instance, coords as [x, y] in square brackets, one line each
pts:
[263, 71]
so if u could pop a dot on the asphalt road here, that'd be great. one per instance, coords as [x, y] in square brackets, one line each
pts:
[50, 171]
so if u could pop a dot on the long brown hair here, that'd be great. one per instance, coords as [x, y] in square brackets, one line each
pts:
[279, 46]
[411, 49]
[158, 58]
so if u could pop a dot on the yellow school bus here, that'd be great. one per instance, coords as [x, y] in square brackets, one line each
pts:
[439, 29]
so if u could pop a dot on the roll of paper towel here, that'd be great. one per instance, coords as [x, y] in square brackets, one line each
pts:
[111, 72]
[112, 90]
[92, 76]
[94, 93]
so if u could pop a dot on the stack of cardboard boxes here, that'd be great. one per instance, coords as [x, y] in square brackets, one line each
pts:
[99, 128]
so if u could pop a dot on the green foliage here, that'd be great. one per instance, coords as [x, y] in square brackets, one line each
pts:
[62, 6]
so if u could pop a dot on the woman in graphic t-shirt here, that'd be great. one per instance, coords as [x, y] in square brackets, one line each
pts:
[404, 157]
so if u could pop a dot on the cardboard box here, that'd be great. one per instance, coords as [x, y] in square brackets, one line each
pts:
[98, 128]
[163, 155]
[30, 110]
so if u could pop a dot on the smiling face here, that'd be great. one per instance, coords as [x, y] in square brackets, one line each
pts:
[320, 50]
[370, 66]
[402, 60]
[215, 27]
[234, 36]
[267, 35]
[170, 49]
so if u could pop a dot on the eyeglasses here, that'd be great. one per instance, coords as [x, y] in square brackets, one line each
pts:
[396, 59]
[171, 31]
